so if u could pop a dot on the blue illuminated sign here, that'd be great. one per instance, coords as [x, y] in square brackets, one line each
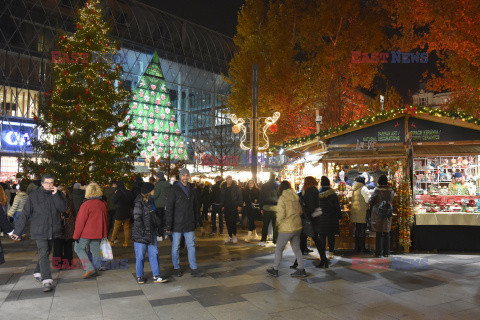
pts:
[16, 136]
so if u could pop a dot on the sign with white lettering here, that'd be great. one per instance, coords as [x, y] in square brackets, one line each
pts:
[429, 131]
[16, 137]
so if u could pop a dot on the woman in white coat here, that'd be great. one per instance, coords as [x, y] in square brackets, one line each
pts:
[358, 212]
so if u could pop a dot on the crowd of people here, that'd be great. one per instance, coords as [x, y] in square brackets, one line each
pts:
[76, 219]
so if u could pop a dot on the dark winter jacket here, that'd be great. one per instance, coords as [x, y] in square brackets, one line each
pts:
[231, 196]
[5, 227]
[92, 220]
[123, 200]
[34, 185]
[162, 187]
[269, 194]
[217, 193]
[181, 210]
[309, 201]
[78, 196]
[328, 222]
[380, 224]
[206, 196]
[137, 187]
[250, 195]
[68, 221]
[143, 229]
[43, 209]
[109, 193]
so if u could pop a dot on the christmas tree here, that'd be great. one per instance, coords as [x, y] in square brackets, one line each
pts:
[83, 113]
[152, 121]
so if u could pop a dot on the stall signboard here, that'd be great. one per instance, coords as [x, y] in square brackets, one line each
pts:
[210, 160]
[429, 131]
[17, 137]
[392, 131]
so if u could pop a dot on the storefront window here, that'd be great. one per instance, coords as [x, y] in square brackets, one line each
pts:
[18, 102]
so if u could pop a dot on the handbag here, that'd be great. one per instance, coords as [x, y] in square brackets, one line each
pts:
[106, 250]
[307, 227]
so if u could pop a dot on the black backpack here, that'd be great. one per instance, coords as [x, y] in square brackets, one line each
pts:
[385, 210]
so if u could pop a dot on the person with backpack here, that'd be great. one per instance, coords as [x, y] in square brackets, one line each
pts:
[380, 218]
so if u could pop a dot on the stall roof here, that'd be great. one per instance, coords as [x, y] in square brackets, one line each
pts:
[432, 131]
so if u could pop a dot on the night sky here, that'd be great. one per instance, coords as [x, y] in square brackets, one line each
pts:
[221, 16]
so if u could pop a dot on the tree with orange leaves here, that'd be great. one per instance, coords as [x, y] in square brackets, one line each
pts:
[303, 50]
[451, 30]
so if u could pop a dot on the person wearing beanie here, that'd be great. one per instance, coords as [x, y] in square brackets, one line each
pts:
[268, 199]
[458, 185]
[327, 224]
[162, 188]
[358, 212]
[181, 219]
[380, 224]
[144, 233]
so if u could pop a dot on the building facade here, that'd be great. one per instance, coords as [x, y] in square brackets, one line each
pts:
[430, 99]
[193, 60]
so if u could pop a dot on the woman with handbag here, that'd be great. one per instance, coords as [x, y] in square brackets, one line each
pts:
[90, 227]
[326, 219]
[144, 233]
[251, 193]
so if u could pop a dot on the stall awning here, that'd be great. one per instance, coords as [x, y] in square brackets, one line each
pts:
[354, 156]
[441, 150]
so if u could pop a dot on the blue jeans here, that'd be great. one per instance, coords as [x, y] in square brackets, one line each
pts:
[15, 219]
[190, 242]
[140, 250]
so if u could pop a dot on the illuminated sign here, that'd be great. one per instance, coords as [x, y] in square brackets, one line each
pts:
[17, 137]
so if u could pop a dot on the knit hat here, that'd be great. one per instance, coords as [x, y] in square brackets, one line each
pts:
[360, 179]
[457, 175]
[184, 171]
[324, 181]
[160, 175]
[76, 185]
[383, 180]
[147, 187]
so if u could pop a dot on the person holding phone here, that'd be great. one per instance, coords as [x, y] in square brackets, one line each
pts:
[43, 208]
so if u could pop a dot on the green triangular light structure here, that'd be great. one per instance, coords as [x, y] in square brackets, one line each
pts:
[151, 119]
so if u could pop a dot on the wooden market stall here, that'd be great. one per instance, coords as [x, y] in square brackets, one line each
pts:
[421, 150]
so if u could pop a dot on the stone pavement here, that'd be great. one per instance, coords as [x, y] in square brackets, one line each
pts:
[407, 286]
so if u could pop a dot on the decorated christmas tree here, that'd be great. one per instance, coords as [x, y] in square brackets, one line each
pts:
[83, 113]
[151, 118]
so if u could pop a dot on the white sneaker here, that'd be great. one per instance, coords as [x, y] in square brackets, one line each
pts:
[235, 239]
[261, 244]
[249, 236]
[229, 240]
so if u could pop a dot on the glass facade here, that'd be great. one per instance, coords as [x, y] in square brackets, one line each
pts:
[193, 60]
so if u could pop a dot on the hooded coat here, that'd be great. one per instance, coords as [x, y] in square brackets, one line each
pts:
[123, 200]
[328, 222]
[143, 230]
[360, 197]
[289, 211]
[381, 193]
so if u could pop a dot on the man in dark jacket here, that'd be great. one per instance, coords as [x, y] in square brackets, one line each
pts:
[268, 204]
[181, 219]
[43, 207]
[137, 187]
[231, 202]
[123, 200]
[78, 196]
[217, 206]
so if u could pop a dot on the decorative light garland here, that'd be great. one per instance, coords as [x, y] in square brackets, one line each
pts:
[412, 110]
[239, 125]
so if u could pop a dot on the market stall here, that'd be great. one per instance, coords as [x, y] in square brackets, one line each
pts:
[422, 150]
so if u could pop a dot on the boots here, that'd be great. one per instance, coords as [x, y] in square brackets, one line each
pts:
[249, 236]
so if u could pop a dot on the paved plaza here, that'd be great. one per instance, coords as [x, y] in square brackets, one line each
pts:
[236, 286]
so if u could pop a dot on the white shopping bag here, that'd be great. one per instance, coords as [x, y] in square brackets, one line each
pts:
[106, 250]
